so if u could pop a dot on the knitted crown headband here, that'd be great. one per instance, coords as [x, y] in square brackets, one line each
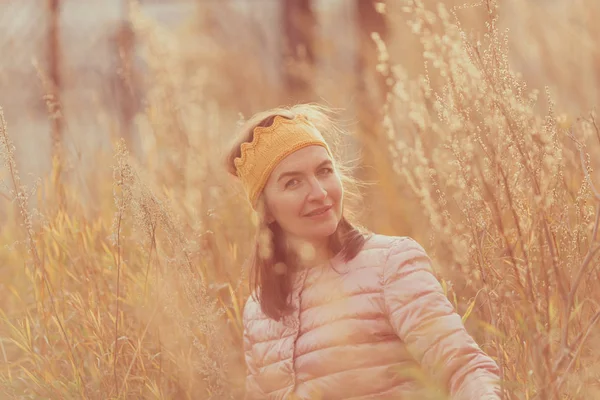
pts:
[269, 146]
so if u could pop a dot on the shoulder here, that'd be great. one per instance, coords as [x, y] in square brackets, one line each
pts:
[388, 254]
[399, 251]
[406, 257]
[407, 248]
[372, 255]
[394, 246]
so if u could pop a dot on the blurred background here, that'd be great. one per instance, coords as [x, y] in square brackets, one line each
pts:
[246, 55]
[120, 112]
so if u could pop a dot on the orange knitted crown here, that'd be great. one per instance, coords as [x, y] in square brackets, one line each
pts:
[269, 146]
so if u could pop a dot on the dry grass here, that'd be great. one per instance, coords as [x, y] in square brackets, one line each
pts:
[128, 282]
[510, 201]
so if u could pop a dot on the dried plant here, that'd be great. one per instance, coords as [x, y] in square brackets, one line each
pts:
[512, 215]
[128, 282]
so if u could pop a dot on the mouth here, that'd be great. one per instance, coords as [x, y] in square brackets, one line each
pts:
[318, 211]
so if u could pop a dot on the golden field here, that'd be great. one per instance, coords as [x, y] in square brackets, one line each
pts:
[473, 127]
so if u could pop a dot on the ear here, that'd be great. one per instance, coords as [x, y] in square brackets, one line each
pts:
[269, 218]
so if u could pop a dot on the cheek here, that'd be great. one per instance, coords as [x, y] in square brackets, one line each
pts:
[336, 191]
[286, 207]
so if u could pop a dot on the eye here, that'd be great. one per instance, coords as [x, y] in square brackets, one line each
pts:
[326, 171]
[291, 183]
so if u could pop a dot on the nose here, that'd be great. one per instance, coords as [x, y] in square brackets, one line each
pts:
[317, 191]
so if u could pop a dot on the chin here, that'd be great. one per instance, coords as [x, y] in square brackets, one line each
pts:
[323, 231]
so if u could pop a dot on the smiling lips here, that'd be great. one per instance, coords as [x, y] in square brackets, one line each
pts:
[318, 211]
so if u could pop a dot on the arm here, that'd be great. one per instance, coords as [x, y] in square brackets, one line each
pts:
[432, 331]
[253, 390]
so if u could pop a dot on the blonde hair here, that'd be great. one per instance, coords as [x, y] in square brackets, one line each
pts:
[271, 264]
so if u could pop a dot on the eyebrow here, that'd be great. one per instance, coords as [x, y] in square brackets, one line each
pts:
[292, 173]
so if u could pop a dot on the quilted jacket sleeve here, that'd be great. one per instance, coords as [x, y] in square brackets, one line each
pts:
[253, 390]
[433, 332]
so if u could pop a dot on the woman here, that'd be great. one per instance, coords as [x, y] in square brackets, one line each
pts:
[337, 313]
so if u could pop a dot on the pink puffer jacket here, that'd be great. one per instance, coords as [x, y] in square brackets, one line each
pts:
[363, 330]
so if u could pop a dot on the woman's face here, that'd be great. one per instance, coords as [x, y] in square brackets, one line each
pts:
[304, 195]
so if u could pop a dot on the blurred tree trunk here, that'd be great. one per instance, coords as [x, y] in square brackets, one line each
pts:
[126, 87]
[299, 25]
[54, 101]
[371, 84]
[371, 94]
[54, 59]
